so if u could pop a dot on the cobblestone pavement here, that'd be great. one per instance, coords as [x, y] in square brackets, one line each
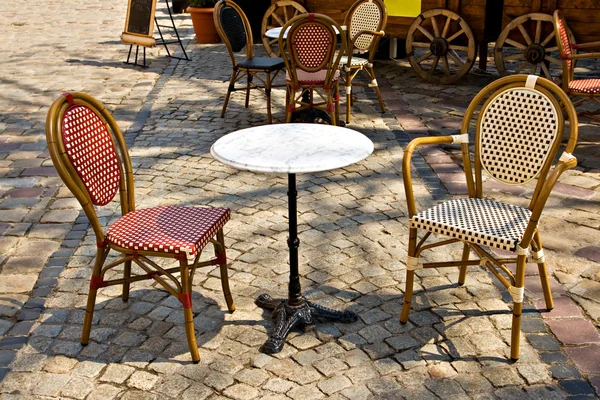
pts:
[353, 233]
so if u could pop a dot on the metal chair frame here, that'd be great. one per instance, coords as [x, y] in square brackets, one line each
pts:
[180, 287]
[547, 176]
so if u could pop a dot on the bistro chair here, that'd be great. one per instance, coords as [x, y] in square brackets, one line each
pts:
[234, 29]
[579, 90]
[89, 152]
[365, 22]
[518, 129]
[311, 60]
[277, 15]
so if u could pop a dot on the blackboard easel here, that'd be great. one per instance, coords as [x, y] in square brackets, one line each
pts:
[139, 27]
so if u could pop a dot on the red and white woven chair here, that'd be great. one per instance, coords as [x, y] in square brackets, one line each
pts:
[579, 90]
[518, 129]
[312, 78]
[365, 23]
[90, 155]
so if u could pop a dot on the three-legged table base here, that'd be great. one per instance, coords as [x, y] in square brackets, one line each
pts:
[287, 316]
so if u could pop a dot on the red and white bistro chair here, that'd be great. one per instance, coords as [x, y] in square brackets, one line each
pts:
[90, 155]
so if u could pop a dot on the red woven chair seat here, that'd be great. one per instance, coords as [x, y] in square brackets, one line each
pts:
[588, 86]
[168, 229]
[312, 78]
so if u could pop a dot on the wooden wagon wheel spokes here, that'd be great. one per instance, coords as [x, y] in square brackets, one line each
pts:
[440, 46]
[277, 16]
[528, 45]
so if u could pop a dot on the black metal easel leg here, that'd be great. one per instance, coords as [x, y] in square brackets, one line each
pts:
[294, 310]
[137, 49]
[162, 39]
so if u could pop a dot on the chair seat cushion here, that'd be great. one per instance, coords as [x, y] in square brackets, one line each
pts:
[168, 229]
[481, 221]
[356, 61]
[589, 86]
[266, 63]
[312, 78]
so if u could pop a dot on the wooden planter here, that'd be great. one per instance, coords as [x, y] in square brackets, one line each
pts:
[204, 26]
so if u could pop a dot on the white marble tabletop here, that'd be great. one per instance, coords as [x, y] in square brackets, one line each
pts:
[274, 33]
[292, 148]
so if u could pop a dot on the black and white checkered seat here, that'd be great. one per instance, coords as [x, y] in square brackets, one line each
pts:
[481, 221]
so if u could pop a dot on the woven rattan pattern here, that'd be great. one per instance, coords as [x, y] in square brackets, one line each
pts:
[367, 16]
[517, 131]
[564, 40]
[589, 86]
[233, 26]
[481, 221]
[168, 229]
[90, 148]
[312, 43]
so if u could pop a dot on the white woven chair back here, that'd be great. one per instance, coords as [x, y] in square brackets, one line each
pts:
[366, 16]
[516, 134]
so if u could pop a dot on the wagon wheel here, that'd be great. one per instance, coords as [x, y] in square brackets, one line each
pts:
[526, 46]
[440, 46]
[276, 16]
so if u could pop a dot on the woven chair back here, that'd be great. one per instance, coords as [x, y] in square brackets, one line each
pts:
[312, 42]
[233, 26]
[565, 39]
[365, 15]
[91, 150]
[517, 130]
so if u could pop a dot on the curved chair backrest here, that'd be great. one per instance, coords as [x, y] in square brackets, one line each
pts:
[566, 44]
[233, 28]
[366, 15]
[90, 154]
[311, 45]
[519, 131]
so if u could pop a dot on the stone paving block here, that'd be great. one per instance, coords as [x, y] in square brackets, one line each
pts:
[574, 331]
[586, 358]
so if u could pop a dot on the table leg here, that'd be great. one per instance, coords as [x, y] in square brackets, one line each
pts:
[294, 310]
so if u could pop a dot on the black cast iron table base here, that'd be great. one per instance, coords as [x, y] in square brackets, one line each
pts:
[287, 316]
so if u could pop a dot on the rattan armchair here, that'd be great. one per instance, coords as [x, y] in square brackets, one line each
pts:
[579, 90]
[234, 29]
[90, 155]
[519, 129]
[365, 23]
[312, 63]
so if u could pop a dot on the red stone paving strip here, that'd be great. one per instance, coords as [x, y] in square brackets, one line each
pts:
[586, 358]
[574, 191]
[25, 192]
[575, 331]
[40, 171]
[590, 252]
[564, 307]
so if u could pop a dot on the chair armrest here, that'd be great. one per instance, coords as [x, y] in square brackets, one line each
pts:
[581, 56]
[586, 45]
[406, 160]
[359, 34]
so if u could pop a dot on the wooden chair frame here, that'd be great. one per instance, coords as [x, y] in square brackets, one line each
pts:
[351, 71]
[547, 178]
[179, 287]
[239, 71]
[569, 58]
[278, 14]
[322, 96]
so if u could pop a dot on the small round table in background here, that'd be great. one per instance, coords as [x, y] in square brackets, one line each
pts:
[292, 149]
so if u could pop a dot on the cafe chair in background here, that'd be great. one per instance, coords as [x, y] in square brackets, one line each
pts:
[277, 15]
[89, 152]
[518, 127]
[579, 90]
[365, 23]
[312, 64]
[234, 29]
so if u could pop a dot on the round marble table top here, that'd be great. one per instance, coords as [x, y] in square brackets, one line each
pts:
[292, 148]
[274, 33]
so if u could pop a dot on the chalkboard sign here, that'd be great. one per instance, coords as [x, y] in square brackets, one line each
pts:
[139, 25]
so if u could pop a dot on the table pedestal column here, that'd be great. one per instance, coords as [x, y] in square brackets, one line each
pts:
[294, 310]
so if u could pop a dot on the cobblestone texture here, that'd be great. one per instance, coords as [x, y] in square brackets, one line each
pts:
[353, 232]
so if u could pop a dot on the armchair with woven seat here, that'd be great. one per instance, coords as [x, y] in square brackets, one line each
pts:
[312, 64]
[89, 152]
[579, 90]
[234, 29]
[365, 23]
[518, 127]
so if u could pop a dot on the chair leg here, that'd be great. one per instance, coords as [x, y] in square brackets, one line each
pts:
[185, 297]
[232, 81]
[462, 275]
[91, 301]
[410, 277]
[222, 257]
[543, 274]
[376, 87]
[348, 96]
[249, 79]
[289, 99]
[268, 93]
[517, 309]
[126, 284]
